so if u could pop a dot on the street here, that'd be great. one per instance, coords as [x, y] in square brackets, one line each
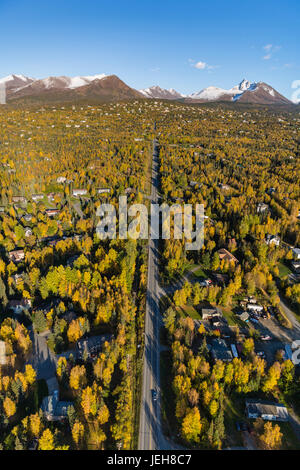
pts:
[150, 432]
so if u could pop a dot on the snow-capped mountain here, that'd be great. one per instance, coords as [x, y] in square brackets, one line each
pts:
[99, 87]
[214, 93]
[13, 82]
[161, 93]
[109, 87]
[245, 92]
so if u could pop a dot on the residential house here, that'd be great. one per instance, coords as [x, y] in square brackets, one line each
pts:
[210, 312]
[79, 192]
[226, 255]
[17, 276]
[220, 278]
[103, 190]
[19, 199]
[296, 253]
[220, 350]
[296, 266]
[268, 411]
[88, 348]
[272, 240]
[262, 208]
[53, 409]
[18, 306]
[52, 212]
[28, 232]
[61, 179]
[27, 217]
[16, 255]
[2, 208]
[224, 187]
[37, 197]
[254, 308]
[244, 316]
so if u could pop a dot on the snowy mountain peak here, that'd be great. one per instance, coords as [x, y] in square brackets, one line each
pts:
[245, 85]
[161, 93]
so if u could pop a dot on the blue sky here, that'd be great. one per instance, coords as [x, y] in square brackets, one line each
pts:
[186, 45]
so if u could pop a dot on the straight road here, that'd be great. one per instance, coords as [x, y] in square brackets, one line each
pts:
[150, 409]
[150, 432]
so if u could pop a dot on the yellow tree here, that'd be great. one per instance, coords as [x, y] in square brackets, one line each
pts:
[46, 441]
[9, 407]
[191, 425]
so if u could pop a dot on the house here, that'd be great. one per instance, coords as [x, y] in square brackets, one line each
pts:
[27, 217]
[53, 409]
[272, 240]
[3, 358]
[296, 253]
[220, 278]
[262, 207]
[19, 199]
[296, 266]
[28, 232]
[18, 306]
[16, 255]
[88, 348]
[210, 312]
[79, 192]
[102, 190]
[224, 187]
[17, 276]
[227, 256]
[69, 316]
[52, 212]
[37, 197]
[268, 411]
[255, 308]
[51, 196]
[2, 208]
[220, 350]
[61, 179]
[244, 316]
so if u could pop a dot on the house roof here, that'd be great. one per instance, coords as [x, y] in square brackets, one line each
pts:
[220, 350]
[225, 254]
[266, 408]
[92, 345]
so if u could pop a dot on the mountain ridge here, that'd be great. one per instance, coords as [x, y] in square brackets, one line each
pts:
[102, 87]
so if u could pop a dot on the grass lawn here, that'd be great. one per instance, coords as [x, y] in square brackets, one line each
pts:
[233, 411]
[167, 395]
[232, 318]
[40, 391]
[189, 311]
[289, 440]
[200, 273]
[284, 270]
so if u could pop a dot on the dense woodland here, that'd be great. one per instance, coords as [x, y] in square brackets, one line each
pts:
[75, 286]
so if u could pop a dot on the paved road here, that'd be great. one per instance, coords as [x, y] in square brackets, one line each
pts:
[150, 433]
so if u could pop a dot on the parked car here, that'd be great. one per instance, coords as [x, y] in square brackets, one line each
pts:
[266, 338]
[261, 354]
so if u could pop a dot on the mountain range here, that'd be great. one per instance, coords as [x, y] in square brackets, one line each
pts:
[110, 88]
